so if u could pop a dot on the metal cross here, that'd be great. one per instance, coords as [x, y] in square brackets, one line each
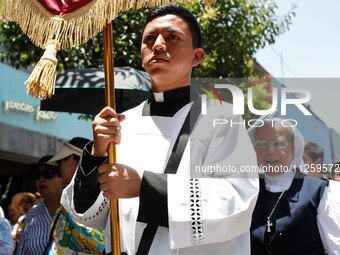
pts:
[269, 224]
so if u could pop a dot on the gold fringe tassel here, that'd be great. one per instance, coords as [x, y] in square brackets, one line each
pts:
[41, 82]
[71, 29]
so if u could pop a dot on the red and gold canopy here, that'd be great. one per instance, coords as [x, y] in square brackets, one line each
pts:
[70, 22]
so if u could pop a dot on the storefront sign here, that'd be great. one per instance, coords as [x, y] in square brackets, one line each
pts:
[25, 108]
[45, 115]
[14, 106]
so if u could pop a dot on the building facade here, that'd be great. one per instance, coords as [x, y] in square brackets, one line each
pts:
[26, 133]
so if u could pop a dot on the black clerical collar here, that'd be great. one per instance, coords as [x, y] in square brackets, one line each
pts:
[167, 103]
[179, 94]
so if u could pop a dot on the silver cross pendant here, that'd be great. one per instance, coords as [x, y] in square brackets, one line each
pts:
[269, 224]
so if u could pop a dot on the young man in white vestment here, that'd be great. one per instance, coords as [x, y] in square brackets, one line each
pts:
[191, 211]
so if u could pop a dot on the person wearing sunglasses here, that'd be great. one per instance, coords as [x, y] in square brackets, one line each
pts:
[67, 236]
[294, 213]
[34, 235]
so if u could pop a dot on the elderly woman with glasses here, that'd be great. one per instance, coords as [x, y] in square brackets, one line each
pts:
[294, 213]
[35, 233]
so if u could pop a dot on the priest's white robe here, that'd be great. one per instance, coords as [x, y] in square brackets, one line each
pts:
[209, 212]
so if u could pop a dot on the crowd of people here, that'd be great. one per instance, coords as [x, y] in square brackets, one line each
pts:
[164, 208]
[38, 224]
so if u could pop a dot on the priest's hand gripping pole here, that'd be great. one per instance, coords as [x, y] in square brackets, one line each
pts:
[110, 101]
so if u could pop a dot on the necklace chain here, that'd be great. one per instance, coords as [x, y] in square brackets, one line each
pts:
[269, 224]
[278, 200]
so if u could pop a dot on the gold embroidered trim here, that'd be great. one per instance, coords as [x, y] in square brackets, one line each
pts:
[71, 29]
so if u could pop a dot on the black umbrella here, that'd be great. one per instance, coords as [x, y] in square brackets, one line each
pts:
[83, 90]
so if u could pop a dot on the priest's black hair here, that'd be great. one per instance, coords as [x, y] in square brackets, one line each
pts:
[183, 13]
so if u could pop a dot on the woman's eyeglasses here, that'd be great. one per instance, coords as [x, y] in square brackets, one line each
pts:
[47, 173]
[264, 144]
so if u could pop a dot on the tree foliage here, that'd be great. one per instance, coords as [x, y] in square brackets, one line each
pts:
[232, 32]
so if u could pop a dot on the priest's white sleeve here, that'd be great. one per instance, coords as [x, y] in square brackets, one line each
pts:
[95, 217]
[328, 220]
[214, 203]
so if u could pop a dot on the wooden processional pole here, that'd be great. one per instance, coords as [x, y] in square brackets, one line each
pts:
[110, 101]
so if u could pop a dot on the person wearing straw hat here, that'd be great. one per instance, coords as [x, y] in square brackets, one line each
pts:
[166, 206]
[68, 237]
[68, 156]
[22, 202]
